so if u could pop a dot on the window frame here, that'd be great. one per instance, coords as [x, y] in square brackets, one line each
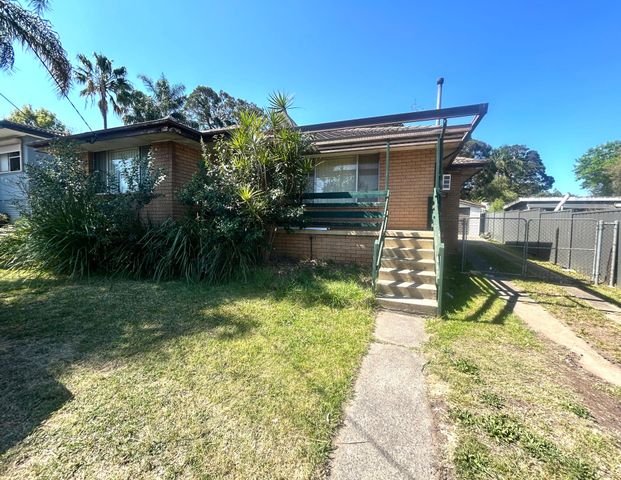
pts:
[8, 153]
[143, 151]
[357, 155]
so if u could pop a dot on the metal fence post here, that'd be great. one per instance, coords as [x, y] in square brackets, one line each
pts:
[613, 255]
[504, 215]
[598, 250]
[464, 233]
[525, 252]
[571, 240]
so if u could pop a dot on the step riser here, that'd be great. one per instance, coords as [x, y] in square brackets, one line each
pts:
[410, 233]
[408, 254]
[404, 307]
[406, 292]
[409, 242]
[401, 264]
[407, 277]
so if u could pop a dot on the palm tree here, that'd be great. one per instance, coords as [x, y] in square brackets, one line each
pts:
[163, 99]
[36, 34]
[107, 84]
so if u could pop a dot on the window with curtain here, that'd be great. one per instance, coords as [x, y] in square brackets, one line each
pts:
[110, 165]
[345, 174]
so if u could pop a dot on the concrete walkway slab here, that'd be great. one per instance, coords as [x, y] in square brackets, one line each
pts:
[387, 432]
[612, 312]
[546, 324]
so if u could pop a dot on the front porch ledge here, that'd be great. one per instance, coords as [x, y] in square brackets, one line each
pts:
[318, 231]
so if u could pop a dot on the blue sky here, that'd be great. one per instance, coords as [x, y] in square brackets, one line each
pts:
[549, 70]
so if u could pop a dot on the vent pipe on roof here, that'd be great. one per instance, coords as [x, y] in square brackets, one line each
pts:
[439, 82]
[560, 204]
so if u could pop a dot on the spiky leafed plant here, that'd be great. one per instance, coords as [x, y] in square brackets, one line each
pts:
[18, 24]
[103, 82]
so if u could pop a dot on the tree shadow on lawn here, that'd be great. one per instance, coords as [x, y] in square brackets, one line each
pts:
[47, 325]
[464, 288]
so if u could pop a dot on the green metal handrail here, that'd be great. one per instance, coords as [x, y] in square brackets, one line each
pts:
[438, 246]
[378, 245]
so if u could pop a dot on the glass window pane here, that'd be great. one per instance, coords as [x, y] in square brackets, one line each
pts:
[337, 174]
[15, 164]
[100, 169]
[4, 162]
[368, 172]
[120, 162]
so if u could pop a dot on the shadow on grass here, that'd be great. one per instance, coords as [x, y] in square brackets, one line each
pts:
[498, 302]
[502, 263]
[49, 324]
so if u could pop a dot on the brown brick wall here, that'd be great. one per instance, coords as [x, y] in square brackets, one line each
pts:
[161, 207]
[450, 210]
[179, 162]
[340, 248]
[186, 161]
[411, 183]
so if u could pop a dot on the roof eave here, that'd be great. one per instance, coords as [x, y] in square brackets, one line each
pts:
[18, 127]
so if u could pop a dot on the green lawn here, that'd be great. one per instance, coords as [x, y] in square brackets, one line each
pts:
[510, 404]
[126, 379]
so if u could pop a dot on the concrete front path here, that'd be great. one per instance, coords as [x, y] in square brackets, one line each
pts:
[544, 323]
[387, 432]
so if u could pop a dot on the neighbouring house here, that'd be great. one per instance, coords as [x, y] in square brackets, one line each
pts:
[470, 214]
[384, 192]
[565, 203]
[16, 152]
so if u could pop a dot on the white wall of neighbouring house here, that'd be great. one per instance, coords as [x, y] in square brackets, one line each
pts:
[472, 215]
[11, 191]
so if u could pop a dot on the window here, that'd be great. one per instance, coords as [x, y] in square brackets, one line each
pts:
[345, 174]
[111, 165]
[446, 182]
[10, 161]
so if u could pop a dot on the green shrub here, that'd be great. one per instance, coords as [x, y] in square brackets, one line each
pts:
[194, 249]
[67, 227]
[247, 184]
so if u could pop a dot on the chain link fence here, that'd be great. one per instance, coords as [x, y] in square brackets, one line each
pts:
[586, 242]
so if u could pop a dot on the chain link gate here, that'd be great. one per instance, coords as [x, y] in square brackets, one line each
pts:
[519, 246]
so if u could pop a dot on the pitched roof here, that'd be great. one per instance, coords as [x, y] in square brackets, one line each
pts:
[348, 135]
[568, 201]
[164, 125]
[333, 139]
[19, 127]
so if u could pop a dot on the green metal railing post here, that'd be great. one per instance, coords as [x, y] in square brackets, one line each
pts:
[387, 165]
[440, 156]
[438, 245]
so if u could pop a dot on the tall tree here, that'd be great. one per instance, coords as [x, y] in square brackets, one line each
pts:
[207, 108]
[103, 82]
[27, 27]
[163, 100]
[512, 171]
[39, 118]
[474, 188]
[476, 149]
[597, 168]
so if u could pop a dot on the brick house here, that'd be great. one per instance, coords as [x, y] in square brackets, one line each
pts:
[371, 197]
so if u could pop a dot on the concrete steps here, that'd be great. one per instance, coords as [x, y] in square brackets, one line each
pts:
[407, 280]
[409, 305]
[406, 275]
